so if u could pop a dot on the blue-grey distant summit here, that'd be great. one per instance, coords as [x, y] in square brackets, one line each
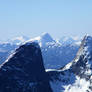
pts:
[43, 39]
[47, 37]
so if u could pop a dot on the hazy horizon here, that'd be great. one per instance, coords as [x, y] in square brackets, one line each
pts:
[31, 18]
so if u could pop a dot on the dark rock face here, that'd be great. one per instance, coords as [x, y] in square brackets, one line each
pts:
[82, 64]
[83, 59]
[24, 71]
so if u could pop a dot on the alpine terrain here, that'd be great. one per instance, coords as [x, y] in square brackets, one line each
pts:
[56, 53]
[25, 70]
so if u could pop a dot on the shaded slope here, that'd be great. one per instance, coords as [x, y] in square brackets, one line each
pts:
[24, 71]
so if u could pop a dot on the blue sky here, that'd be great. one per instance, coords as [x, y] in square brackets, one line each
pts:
[33, 17]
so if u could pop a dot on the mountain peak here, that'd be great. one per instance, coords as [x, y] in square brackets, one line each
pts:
[24, 71]
[86, 44]
[47, 37]
[82, 64]
[45, 34]
[43, 39]
[88, 38]
[18, 40]
[70, 40]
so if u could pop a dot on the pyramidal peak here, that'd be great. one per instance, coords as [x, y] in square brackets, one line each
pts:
[88, 40]
[83, 58]
[86, 44]
[47, 37]
[43, 39]
[82, 63]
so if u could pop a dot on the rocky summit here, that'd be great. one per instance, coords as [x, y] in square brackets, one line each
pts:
[24, 71]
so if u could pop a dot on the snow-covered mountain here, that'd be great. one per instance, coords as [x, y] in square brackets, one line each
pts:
[77, 75]
[55, 54]
[83, 61]
[70, 40]
[44, 39]
[18, 40]
[24, 71]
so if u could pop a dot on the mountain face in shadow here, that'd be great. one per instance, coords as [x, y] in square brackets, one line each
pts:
[24, 71]
[82, 64]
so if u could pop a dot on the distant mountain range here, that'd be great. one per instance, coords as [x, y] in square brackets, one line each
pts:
[56, 53]
[70, 40]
